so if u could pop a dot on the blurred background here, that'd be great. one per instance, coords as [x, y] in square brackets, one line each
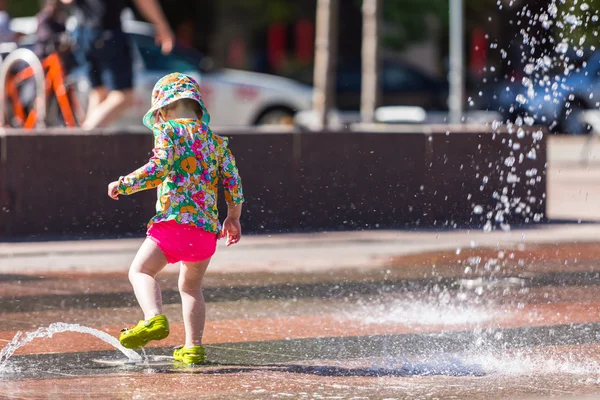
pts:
[227, 42]
[426, 167]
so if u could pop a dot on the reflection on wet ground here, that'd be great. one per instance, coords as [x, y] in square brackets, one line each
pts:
[466, 323]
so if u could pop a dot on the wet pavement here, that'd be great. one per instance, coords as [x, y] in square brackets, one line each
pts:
[361, 315]
[521, 322]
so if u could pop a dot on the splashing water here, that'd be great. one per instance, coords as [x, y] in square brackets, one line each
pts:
[548, 90]
[486, 362]
[422, 313]
[534, 362]
[21, 340]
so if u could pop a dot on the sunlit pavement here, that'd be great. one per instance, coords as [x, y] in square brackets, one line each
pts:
[363, 315]
[521, 322]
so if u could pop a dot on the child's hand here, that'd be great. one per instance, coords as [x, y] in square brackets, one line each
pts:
[232, 230]
[113, 190]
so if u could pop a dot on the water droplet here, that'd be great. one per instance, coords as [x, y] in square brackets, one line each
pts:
[572, 20]
[562, 48]
[529, 69]
[478, 210]
[519, 121]
[532, 155]
[531, 172]
[509, 161]
[547, 61]
[512, 178]
[521, 99]
[584, 7]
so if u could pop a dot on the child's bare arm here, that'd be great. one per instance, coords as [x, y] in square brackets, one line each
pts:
[234, 197]
[234, 211]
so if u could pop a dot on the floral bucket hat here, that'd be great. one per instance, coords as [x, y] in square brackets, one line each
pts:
[170, 88]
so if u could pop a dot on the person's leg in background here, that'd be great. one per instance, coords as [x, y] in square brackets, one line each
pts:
[113, 62]
[85, 54]
[97, 95]
[107, 110]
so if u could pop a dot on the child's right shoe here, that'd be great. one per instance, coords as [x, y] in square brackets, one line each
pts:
[190, 355]
[137, 336]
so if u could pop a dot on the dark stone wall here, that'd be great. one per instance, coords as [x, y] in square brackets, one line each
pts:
[53, 184]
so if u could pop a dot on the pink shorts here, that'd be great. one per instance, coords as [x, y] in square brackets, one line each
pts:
[181, 242]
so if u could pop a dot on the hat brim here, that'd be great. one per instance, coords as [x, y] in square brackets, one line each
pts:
[149, 119]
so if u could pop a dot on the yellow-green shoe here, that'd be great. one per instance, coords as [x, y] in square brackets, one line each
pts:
[190, 355]
[137, 336]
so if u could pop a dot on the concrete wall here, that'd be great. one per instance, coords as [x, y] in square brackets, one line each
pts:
[53, 184]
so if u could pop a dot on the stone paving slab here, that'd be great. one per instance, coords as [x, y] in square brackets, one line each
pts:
[498, 337]
[547, 343]
[337, 325]
[285, 385]
[307, 253]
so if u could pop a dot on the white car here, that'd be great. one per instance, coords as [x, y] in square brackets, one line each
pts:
[232, 97]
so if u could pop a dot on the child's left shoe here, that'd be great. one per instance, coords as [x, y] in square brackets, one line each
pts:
[155, 328]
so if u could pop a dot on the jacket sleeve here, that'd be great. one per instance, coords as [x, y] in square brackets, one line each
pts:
[230, 176]
[156, 169]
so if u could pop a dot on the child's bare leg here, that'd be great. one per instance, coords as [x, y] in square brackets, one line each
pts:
[148, 262]
[192, 301]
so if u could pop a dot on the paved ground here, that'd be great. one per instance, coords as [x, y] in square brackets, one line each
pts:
[363, 315]
[573, 189]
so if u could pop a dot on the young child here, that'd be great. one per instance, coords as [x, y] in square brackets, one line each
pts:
[188, 163]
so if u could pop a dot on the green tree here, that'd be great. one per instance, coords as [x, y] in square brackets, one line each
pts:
[23, 8]
[578, 22]
[264, 12]
[407, 20]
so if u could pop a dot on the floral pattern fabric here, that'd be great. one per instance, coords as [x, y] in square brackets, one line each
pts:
[188, 163]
